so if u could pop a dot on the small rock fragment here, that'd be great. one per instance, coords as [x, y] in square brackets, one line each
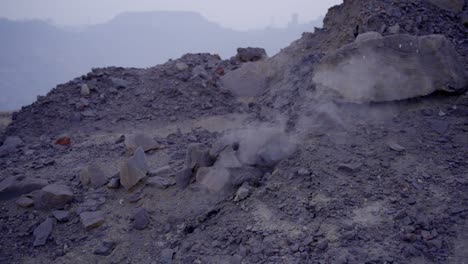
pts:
[166, 256]
[350, 167]
[114, 183]
[228, 159]
[214, 178]
[197, 157]
[242, 193]
[91, 220]
[25, 202]
[141, 219]
[163, 171]
[61, 215]
[396, 147]
[63, 141]
[181, 66]
[93, 175]
[161, 182]
[105, 248]
[42, 232]
[183, 178]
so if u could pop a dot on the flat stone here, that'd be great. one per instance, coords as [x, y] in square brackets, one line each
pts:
[61, 215]
[161, 182]
[42, 232]
[395, 146]
[141, 219]
[12, 187]
[350, 167]
[25, 202]
[93, 175]
[135, 141]
[134, 169]
[163, 171]
[91, 220]
[53, 196]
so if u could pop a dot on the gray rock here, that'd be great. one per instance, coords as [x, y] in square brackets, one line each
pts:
[250, 54]
[93, 175]
[350, 167]
[85, 91]
[53, 196]
[114, 183]
[228, 159]
[12, 187]
[134, 169]
[250, 80]
[91, 220]
[42, 232]
[368, 36]
[395, 29]
[242, 193]
[105, 248]
[141, 219]
[163, 171]
[161, 182]
[119, 83]
[197, 156]
[181, 66]
[132, 142]
[183, 178]
[395, 146]
[199, 71]
[61, 215]
[25, 202]
[167, 255]
[215, 179]
[394, 67]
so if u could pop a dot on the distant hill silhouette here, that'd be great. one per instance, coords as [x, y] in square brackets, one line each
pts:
[35, 55]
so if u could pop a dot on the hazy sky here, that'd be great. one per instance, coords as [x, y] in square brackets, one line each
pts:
[238, 14]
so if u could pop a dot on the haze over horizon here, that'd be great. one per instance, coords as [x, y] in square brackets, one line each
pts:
[238, 15]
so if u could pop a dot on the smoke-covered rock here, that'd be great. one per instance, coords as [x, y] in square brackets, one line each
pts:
[392, 68]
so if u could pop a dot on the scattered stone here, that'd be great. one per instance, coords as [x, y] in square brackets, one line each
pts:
[85, 91]
[250, 54]
[396, 147]
[53, 196]
[134, 169]
[121, 139]
[214, 179]
[16, 186]
[197, 157]
[242, 193]
[184, 178]
[391, 68]
[25, 202]
[135, 198]
[163, 171]
[395, 29]
[161, 182]
[42, 232]
[180, 66]
[61, 215]
[350, 167]
[91, 220]
[228, 159]
[322, 244]
[199, 71]
[166, 256]
[105, 248]
[63, 141]
[303, 172]
[93, 175]
[368, 36]
[132, 142]
[141, 219]
[114, 183]
[119, 83]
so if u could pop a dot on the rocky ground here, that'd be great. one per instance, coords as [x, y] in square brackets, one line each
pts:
[172, 164]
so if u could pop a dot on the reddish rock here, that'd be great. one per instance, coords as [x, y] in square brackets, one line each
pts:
[63, 141]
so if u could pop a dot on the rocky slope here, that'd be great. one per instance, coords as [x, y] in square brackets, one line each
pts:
[201, 160]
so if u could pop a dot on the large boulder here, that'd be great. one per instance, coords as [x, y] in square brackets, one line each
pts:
[250, 80]
[134, 169]
[53, 196]
[394, 67]
[12, 187]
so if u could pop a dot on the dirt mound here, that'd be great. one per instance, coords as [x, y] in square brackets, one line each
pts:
[217, 173]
